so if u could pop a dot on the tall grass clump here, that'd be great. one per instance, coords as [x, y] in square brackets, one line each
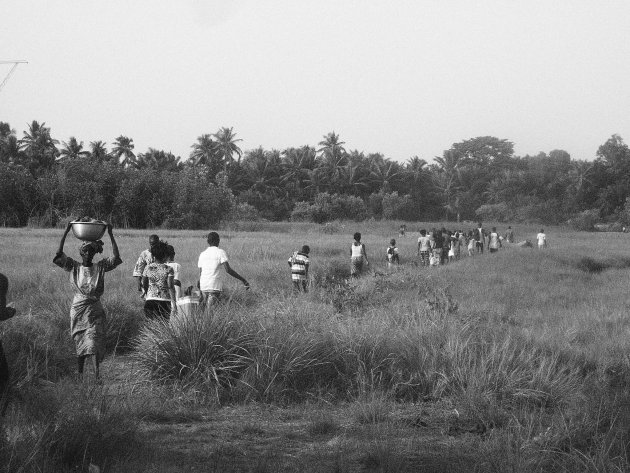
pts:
[209, 348]
[38, 345]
[65, 428]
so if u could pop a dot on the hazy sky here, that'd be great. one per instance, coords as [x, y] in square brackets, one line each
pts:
[399, 77]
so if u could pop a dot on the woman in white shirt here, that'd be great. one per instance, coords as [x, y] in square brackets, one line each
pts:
[357, 256]
[542, 239]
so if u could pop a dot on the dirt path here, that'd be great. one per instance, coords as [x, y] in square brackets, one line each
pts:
[303, 438]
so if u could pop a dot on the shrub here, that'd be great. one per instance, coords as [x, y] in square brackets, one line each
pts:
[67, 427]
[585, 221]
[494, 212]
[327, 207]
[397, 206]
[243, 212]
[302, 212]
[208, 348]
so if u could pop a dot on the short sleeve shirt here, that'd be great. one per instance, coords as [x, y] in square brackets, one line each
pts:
[176, 269]
[210, 262]
[425, 243]
[144, 259]
[158, 274]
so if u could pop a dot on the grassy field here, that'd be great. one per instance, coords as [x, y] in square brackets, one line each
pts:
[516, 361]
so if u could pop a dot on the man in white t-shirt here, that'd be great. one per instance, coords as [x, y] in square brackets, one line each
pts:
[210, 277]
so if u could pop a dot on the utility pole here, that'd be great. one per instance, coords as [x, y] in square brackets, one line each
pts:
[13, 68]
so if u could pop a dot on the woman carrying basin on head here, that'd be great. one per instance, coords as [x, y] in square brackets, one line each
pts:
[87, 316]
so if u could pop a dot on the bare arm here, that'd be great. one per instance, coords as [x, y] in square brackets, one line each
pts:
[5, 312]
[110, 230]
[145, 284]
[63, 238]
[171, 291]
[363, 250]
[234, 274]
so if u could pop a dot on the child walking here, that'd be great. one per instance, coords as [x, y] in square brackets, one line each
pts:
[392, 253]
[299, 263]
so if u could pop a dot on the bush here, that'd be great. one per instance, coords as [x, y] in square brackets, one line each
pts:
[494, 212]
[66, 428]
[302, 212]
[397, 206]
[243, 212]
[585, 221]
[327, 207]
[210, 348]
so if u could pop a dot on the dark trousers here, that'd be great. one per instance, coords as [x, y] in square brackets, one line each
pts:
[157, 309]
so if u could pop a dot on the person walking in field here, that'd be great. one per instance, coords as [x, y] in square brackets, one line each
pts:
[509, 235]
[494, 241]
[472, 243]
[144, 259]
[170, 261]
[87, 316]
[392, 254]
[542, 239]
[5, 314]
[210, 263]
[424, 247]
[461, 238]
[299, 263]
[157, 282]
[436, 247]
[480, 238]
[358, 256]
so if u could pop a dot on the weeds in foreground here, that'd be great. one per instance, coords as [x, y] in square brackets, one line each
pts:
[66, 428]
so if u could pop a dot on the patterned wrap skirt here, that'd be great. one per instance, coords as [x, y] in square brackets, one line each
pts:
[356, 265]
[87, 322]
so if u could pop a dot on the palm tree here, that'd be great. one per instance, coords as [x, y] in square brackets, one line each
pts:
[9, 146]
[38, 145]
[416, 174]
[98, 151]
[384, 172]
[205, 152]
[331, 146]
[72, 149]
[158, 160]
[264, 169]
[448, 181]
[296, 164]
[226, 145]
[356, 173]
[123, 147]
[332, 160]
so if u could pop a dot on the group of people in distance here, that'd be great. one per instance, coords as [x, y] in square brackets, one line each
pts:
[443, 246]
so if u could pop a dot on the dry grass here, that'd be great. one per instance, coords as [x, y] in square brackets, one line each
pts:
[529, 347]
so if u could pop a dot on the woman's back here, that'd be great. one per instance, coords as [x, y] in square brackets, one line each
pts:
[357, 249]
[158, 274]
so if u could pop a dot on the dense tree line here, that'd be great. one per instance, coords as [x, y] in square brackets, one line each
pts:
[43, 182]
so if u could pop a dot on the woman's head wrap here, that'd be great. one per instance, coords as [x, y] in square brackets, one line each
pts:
[95, 246]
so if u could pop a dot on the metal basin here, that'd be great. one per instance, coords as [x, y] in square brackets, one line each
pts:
[88, 231]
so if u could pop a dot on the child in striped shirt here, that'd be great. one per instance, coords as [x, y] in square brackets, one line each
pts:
[299, 264]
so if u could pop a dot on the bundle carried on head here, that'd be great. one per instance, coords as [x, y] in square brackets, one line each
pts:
[95, 246]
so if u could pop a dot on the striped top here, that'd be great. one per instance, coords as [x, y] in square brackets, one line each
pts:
[299, 266]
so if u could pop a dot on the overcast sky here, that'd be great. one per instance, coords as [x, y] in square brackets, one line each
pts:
[402, 78]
